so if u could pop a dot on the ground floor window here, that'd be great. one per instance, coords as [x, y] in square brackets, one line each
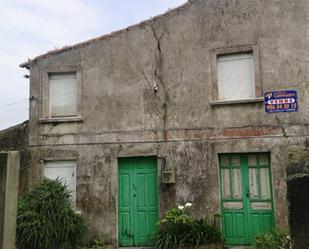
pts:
[246, 196]
[65, 171]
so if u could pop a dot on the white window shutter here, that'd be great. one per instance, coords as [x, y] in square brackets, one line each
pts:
[63, 94]
[66, 172]
[236, 76]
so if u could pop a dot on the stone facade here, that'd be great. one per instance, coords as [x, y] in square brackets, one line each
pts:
[298, 195]
[9, 183]
[16, 139]
[121, 115]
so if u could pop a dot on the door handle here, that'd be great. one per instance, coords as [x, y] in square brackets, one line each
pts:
[134, 190]
[247, 192]
[127, 233]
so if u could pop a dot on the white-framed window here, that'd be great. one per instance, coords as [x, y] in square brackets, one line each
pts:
[236, 76]
[62, 95]
[66, 172]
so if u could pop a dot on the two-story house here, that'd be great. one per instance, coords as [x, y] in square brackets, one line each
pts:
[171, 111]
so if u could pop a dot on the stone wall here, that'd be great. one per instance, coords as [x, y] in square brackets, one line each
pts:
[3, 160]
[16, 139]
[9, 181]
[298, 197]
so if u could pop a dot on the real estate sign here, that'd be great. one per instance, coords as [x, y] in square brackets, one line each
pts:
[281, 101]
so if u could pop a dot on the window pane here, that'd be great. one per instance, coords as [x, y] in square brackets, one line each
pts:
[225, 176]
[252, 160]
[264, 180]
[63, 94]
[263, 159]
[237, 185]
[253, 182]
[224, 160]
[236, 76]
[235, 160]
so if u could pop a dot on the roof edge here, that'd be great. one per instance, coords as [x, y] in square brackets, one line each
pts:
[22, 124]
[57, 51]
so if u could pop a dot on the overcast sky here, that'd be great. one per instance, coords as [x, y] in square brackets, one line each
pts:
[32, 27]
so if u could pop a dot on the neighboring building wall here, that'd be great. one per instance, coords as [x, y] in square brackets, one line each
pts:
[16, 139]
[122, 116]
[9, 181]
[298, 196]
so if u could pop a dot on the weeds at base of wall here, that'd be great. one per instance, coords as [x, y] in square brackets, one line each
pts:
[98, 243]
[179, 230]
[273, 240]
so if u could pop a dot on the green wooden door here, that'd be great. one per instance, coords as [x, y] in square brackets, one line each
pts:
[246, 196]
[137, 200]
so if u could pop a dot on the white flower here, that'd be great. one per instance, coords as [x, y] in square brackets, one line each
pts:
[188, 204]
[181, 207]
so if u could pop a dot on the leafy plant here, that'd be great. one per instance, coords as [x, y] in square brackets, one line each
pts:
[95, 243]
[179, 229]
[272, 240]
[45, 219]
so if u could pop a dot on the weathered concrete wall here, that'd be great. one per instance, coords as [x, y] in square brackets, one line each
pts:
[9, 165]
[123, 116]
[16, 139]
[195, 165]
[298, 196]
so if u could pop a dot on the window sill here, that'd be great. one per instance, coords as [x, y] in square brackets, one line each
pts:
[61, 120]
[235, 102]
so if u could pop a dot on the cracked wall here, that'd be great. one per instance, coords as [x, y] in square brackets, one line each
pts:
[124, 116]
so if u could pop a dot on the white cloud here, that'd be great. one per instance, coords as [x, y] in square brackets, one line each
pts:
[32, 27]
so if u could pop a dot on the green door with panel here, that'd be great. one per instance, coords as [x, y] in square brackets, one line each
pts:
[137, 200]
[246, 196]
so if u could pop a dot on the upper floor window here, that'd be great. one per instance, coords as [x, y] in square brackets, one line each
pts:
[62, 94]
[236, 79]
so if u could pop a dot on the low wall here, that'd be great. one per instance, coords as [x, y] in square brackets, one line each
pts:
[9, 181]
[3, 160]
[16, 139]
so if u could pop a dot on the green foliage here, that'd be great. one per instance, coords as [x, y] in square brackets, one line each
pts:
[272, 240]
[45, 219]
[179, 229]
[95, 243]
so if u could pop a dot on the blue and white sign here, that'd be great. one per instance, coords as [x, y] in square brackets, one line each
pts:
[281, 101]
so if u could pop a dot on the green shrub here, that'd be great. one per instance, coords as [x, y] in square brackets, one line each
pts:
[179, 229]
[272, 240]
[45, 219]
[95, 243]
